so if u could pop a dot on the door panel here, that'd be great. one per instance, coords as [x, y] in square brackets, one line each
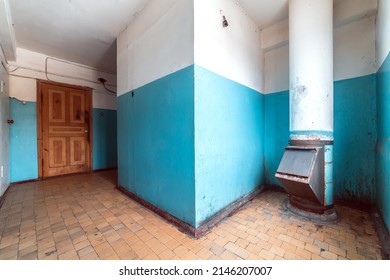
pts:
[57, 152]
[77, 108]
[77, 151]
[56, 106]
[66, 130]
[65, 121]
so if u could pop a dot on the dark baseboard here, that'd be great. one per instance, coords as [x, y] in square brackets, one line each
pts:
[187, 228]
[274, 188]
[358, 205]
[25, 181]
[383, 233]
[2, 198]
[60, 176]
[105, 169]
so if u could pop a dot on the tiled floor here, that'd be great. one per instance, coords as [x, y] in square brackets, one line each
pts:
[84, 217]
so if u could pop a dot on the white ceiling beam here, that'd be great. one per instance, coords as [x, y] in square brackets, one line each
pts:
[275, 35]
[348, 11]
[7, 35]
[345, 12]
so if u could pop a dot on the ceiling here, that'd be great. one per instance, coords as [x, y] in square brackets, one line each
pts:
[82, 31]
[85, 31]
[266, 12]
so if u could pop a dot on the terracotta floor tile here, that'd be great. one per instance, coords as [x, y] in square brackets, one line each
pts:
[277, 250]
[190, 256]
[317, 257]
[90, 256]
[166, 255]
[85, 251]
[328, 255]
[84, 217]
[267, 255]
[204, 254]
[69, 255]
[228, 255]
[216, 249]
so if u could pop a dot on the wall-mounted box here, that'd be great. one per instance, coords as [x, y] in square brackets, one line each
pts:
[301, 172]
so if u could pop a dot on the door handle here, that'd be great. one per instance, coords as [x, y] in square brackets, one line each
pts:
[86, 120]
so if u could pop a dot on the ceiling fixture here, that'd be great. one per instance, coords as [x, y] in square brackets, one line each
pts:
[224, 22]
[103, 81]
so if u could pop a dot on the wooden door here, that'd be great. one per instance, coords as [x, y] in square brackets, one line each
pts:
[66, 129]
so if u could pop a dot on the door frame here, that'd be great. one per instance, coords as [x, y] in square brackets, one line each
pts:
[40, 124]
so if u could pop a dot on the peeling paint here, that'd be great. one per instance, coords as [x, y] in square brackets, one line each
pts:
[355, 118]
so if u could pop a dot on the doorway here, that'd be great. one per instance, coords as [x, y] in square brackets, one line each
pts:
[64, 129]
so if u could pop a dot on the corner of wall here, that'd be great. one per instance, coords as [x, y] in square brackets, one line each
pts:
[382, 151]
[4, 126]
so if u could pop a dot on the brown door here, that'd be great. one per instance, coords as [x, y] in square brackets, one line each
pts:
[66, 119]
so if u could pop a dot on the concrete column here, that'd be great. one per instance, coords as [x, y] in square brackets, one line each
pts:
[311, 79]
[311, 69]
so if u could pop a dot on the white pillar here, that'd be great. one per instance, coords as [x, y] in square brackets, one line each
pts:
[311, 69]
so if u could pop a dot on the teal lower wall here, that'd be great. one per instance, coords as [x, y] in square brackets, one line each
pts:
[383, 143]
[104, 139]
[156, 143]
[23, 141]
[124, 146]
[277, 132]
[354, 137]
[229, 142]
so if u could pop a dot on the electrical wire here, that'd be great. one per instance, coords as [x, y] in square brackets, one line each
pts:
[104, 85]
[2, 50]
[13, 70]
[80, 65]
[5, 68]
[46, 72]
[103, 81]
[21, 76]
[95, 89]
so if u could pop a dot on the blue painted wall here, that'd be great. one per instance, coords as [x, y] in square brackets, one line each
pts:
[229, 142]
[156, 143]
[383, 143]
[354, 137]
[123, 139]
[276, 127]
[104, 138]
[23, 141]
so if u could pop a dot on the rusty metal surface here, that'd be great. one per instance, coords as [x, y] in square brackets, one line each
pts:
[301, 172]
[308, 205]
[310, 143]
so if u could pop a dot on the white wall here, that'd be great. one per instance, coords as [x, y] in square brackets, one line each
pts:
[276, 70]
[30, 66]
[4, 128]
[354, 55]
[382, 31]
[7, 35]
[354, 49]
[158, 42]
[233, 52]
